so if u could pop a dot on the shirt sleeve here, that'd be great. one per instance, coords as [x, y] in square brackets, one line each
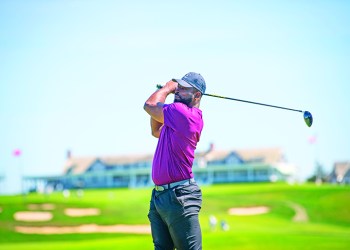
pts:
[175, 115]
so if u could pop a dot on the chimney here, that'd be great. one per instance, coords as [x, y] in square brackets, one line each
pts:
[211, 147]
[69, 154]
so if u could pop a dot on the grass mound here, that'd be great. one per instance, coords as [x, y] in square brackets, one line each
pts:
[327, 225]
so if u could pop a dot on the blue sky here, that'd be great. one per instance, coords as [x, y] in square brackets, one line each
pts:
[75, 74]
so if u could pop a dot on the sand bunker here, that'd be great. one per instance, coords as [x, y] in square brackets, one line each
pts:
[85, 229]
[79, 212]
[45, 206]
[32, 216]
[246, 211]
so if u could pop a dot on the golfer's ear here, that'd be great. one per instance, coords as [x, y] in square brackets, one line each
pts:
[198, 95]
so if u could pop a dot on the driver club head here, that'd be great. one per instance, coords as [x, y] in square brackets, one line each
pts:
[308, 118]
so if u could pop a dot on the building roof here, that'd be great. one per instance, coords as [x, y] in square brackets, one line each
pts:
[341, 169]
[126, 159]
[79, 165]
[265, 155]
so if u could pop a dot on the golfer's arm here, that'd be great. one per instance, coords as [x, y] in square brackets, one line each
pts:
[155, 110]
[156, 127]
[154, 107]
[154, 104]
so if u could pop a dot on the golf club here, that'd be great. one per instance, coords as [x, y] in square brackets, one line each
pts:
[306, 114]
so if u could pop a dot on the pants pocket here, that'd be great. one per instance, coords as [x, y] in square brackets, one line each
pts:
[190, 195]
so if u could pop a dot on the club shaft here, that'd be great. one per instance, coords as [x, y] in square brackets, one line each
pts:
[258, 103]
[239, 100]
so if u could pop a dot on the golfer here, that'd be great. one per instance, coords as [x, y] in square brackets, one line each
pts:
[176, 199]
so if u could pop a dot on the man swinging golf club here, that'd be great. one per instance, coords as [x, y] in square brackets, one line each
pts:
[176, 199]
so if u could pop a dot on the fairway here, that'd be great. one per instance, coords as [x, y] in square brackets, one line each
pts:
[324, 221]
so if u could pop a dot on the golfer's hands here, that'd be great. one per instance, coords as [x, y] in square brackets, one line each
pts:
[171, 86]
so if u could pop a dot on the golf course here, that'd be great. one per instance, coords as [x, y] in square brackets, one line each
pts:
[247, 216]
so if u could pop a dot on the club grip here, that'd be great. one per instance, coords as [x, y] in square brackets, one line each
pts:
[159, 86]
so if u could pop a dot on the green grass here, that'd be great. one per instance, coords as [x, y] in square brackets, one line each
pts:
[328, 208]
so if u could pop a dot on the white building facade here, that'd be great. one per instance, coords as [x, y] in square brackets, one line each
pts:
[134, 171]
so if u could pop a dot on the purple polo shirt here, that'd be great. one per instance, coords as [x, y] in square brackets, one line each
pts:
[177, 142]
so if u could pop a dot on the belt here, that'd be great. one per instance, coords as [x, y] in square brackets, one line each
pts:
[173, 184]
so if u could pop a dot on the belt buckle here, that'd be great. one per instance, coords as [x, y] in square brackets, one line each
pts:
[159, 188]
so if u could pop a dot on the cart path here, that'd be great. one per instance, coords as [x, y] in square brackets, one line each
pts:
[300, 212]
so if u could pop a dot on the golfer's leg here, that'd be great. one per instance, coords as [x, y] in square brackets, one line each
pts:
[184, 226]
[160, 232]
[186, 233]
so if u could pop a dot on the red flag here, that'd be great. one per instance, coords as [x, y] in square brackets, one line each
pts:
[313, 139]
[17, 152]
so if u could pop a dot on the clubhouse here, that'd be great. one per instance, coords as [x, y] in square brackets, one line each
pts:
[134, 171]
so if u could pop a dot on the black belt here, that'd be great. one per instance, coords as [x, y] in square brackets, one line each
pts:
[173, 184]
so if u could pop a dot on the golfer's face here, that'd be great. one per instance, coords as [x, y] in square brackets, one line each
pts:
[184, 95]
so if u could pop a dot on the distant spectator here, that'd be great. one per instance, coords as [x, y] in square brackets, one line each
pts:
[212, 222]
[66, 193]
[224, 226]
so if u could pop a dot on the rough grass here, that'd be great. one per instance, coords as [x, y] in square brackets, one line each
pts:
[327, 207]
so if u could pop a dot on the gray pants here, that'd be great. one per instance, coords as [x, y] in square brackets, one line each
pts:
[174, 218]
